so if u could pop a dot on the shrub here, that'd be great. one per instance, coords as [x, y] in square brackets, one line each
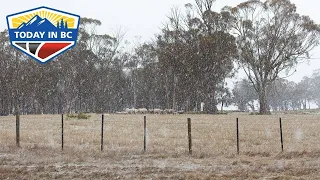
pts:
[72, 115]
[80, 115]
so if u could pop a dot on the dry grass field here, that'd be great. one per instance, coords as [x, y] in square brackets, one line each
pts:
[213, 138]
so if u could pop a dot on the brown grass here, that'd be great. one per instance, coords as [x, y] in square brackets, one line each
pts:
[214, 147]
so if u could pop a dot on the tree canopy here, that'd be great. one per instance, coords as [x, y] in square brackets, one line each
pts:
[272, 38]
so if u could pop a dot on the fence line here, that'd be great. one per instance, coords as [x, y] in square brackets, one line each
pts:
[189, 134]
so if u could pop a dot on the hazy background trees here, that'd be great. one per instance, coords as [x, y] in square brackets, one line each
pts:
[272, 38]
[187, 64]
[283, 95]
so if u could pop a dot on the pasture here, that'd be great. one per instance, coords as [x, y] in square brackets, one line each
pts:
[213, 143]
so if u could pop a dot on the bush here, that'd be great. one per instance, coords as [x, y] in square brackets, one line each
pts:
[72, 116]
[80, 115]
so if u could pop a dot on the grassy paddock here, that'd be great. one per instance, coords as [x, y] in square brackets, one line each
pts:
[214, 147]
[167, 134]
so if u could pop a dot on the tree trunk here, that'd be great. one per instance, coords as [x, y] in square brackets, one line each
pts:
[17, 113]
[264, 106]
[309, 105]
[242, 106]
[210, 103]
[174, 92]
[167, 91]
[2, 108]
[134, 91]
[222, 106]
[252, 106]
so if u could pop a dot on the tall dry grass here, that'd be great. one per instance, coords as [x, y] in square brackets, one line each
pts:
[167, 134]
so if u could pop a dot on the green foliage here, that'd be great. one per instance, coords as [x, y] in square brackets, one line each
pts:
[72, 116]
[195, 57]
[80, 115]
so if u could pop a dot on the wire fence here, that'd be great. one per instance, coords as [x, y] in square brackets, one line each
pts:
[167, 134]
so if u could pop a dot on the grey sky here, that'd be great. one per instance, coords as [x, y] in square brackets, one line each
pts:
[143, 18]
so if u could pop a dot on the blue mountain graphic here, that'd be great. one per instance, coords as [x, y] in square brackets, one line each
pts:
[37, 23]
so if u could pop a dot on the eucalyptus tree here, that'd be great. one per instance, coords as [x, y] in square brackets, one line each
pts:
[244, 95]
[315, 86]
[304, 91]
[196, 52]
[272, 38]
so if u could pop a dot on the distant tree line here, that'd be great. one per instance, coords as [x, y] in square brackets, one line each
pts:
[282, 95]
[186, 64]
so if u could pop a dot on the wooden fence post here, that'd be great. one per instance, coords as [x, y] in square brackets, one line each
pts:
[18, 129]
[144, 133]
[62, 142]
[281, 138]
[238, 144]
[102, 122]
[189, 136]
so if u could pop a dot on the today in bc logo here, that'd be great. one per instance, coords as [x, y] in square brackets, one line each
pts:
[43, 33]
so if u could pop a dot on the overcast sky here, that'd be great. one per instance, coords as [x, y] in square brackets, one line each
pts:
[143, 18]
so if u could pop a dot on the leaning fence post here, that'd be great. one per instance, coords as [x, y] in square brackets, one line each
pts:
[144, 133]
[238, 149]
[189, 136]
[281, 138]
[102, 122]
[62, 131]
